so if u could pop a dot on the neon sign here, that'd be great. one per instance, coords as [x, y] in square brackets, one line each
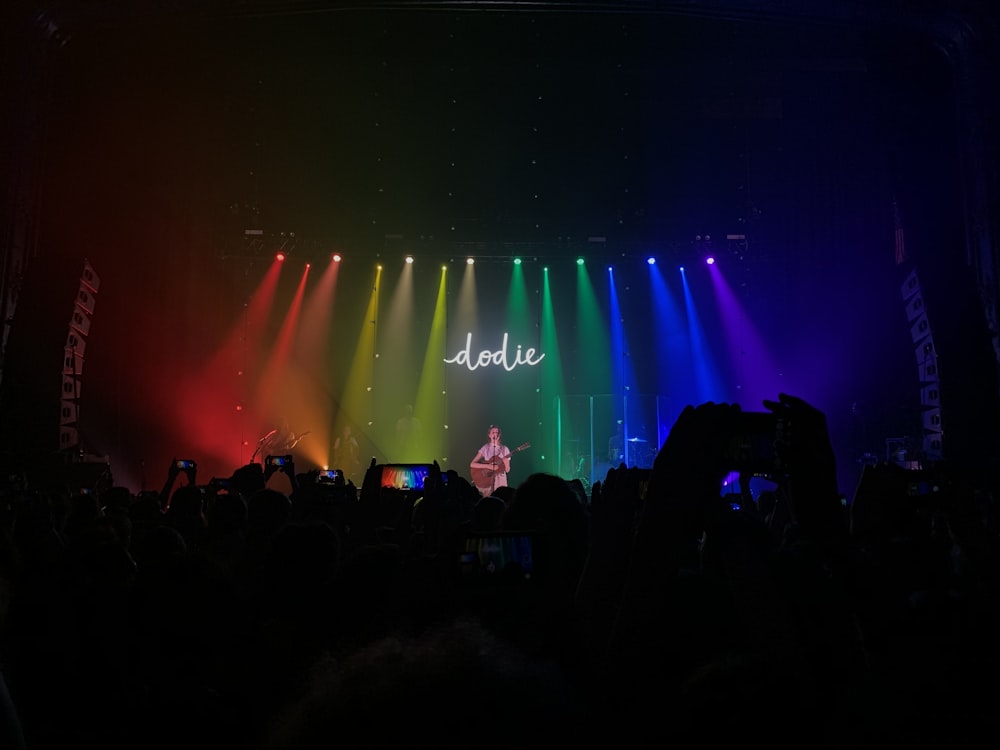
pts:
[498, 358]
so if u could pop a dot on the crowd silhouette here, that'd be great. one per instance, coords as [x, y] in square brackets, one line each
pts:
[656, 609]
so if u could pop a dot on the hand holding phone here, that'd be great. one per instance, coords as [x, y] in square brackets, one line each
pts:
[751, 446]
[497, 555]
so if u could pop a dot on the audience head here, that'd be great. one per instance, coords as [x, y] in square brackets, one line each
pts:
[454, 685]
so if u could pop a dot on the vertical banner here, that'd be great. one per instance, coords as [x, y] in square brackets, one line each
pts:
[73, 356]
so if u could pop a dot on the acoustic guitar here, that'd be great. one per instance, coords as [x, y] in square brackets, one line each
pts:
[483, 477]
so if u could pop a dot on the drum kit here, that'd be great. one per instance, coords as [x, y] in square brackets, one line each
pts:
[640, 455]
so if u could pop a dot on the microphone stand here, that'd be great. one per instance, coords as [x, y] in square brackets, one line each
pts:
[261, 443]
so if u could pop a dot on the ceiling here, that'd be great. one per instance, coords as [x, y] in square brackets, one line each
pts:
[440, 112]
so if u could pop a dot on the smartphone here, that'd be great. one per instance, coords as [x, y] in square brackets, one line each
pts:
[497, 556]
[278, 460]
[186, 463]
[918, 483]
[406, 477]
[751, 446]
[734, 500]
[327, 476]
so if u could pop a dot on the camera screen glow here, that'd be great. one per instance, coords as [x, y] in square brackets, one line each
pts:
[404, 477]
[492, 554]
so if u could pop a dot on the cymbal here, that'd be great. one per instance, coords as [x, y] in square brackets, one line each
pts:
[637, 440]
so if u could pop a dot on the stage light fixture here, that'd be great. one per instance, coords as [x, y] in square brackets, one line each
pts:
[409, 260]
[470, 261]
[517, 261]
[337, 258]
[651, 260]
[710, 260]
[579, 261]
[280, 257]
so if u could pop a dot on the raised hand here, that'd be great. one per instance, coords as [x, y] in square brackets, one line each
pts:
[809, 470]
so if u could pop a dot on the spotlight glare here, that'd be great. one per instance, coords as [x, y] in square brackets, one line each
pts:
[710, 260]
[337, 258]
[469, 261]
[409, 260]
[280, 257]
[517, 261]
[651, 260]
[579, 261]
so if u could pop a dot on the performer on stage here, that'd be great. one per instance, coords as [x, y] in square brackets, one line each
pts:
[347, 455]
[279, 441]
[285, 439]
[491, 463]
[408, 436]
[616, 447]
